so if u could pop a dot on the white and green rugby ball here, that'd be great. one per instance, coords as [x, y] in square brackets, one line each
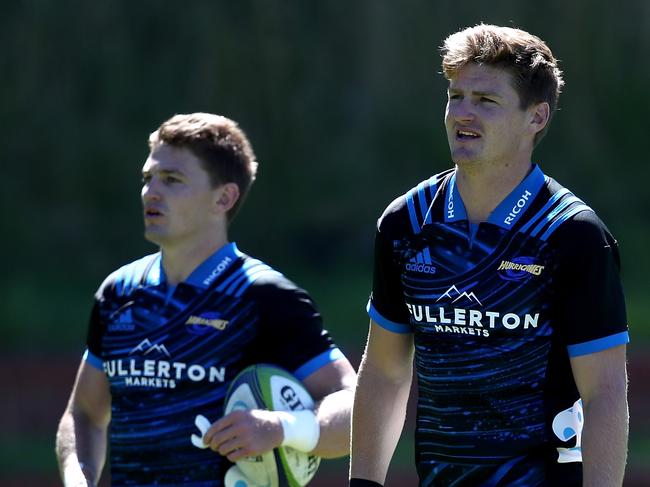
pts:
[264, 386]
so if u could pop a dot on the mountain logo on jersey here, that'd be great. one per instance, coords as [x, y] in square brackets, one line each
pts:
[453, 291]
[421, 263]
[203, 323]
[519, 268]
[147, 347]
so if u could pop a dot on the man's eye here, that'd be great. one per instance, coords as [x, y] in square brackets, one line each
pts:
[171, 179]
[146, 179]
[454, 97]
[487, 100]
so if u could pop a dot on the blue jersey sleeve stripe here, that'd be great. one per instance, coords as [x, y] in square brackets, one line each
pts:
[556, 211]
[238, 276]
[93, 360]
[412, 213]
[422, 198]
[562, 218]
[433, 186]
[254, 277]
[385, 323]
[502, 471]
[544, 209]
[317, 362]
[248, 277]
[599, 344]
[229, 280]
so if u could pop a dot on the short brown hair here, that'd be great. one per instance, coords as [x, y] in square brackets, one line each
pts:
[218, 142]
[526, 57]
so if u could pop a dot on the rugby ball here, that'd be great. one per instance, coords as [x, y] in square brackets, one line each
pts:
[264, 386]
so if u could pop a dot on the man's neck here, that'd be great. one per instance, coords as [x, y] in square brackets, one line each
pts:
[482, 191]
[180, 261]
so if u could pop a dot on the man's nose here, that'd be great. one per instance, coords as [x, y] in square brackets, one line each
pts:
[150, 190]
[463, 111]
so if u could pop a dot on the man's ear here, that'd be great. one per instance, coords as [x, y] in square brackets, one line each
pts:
[226, 196]
[540, 113]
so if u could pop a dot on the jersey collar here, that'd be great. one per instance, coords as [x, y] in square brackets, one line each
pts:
[214, 266]
[509, 211]
[205, 273]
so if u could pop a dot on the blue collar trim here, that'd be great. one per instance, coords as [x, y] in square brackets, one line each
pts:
[512, 208]
[156, 275]
[206, 272]
[509, 211]
[454, 207]
[214, 266]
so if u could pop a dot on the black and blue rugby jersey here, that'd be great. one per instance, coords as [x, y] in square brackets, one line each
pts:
[170, 354]
[497, 309]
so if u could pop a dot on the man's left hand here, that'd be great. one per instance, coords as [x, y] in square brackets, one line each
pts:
[245, 433]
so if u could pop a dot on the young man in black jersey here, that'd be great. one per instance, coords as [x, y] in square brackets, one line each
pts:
[503, 288]
[170, 331]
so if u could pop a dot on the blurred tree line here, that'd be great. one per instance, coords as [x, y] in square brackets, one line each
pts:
[343, 102]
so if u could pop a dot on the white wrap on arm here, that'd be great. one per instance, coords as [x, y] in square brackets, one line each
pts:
[301, 430]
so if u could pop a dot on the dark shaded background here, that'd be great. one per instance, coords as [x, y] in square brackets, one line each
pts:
[344, 104]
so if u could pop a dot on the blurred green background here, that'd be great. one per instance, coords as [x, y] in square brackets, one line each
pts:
[343, 102]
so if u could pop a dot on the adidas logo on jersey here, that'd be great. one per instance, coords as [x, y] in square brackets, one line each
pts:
[122, 318]
[421, 263]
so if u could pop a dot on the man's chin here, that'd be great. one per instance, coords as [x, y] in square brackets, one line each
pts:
[464, 159]
[154, 237]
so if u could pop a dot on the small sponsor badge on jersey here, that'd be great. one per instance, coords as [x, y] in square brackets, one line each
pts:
[519, 268]
[200, 324]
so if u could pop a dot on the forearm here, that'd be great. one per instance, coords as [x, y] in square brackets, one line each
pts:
[377, 421]
[333, 414]
[604, 440]
[80, 450]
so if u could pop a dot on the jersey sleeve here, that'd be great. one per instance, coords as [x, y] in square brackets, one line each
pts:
[386, 305]
[291, 330]
[94, 336]
[96, 326]
[589, 294]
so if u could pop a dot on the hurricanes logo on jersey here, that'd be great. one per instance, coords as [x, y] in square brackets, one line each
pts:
[202, 323]
[519, 268]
